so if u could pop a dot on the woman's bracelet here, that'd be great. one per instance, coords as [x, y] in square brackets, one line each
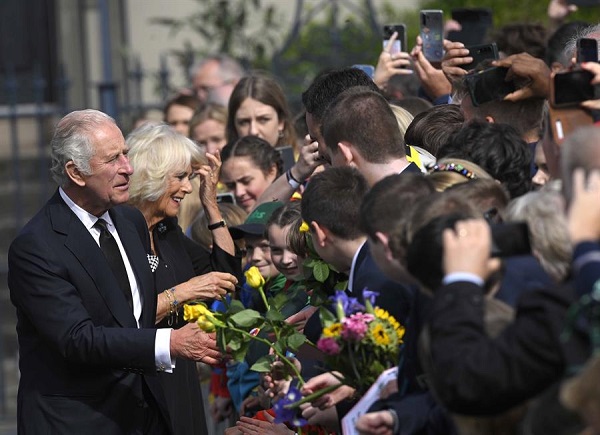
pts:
[172, 303]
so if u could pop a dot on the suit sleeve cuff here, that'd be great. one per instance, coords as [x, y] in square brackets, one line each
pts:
[162, 351]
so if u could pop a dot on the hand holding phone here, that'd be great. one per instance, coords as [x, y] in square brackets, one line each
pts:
[490, 84]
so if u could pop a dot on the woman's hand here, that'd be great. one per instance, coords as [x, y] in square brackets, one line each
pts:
[209, 178]
[212, 285]
[389, 64]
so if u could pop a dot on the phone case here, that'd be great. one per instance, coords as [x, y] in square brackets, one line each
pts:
[476, 24]
[432, 28]
[569, 89]
[564, 121]
[479, 53]
[400, 44]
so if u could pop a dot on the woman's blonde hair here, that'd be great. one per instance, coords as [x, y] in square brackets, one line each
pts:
[155, 152]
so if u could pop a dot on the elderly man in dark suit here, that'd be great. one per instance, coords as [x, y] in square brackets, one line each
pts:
[80, 281]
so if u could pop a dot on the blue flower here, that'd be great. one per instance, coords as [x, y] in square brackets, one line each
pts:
[370, 296]
[348, 304]
[289, 415]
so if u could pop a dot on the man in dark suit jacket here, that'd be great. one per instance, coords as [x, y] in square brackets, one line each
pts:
[88, 360]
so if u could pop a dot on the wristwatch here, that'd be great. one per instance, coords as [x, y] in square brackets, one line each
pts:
[216, 225]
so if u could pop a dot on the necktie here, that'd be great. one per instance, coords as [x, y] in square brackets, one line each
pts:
[111, 251]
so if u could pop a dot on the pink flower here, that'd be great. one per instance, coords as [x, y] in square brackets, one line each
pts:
[355, 327]
[328, 346]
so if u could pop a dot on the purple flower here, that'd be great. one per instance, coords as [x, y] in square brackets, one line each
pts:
[289, 415]
[348, 304]
[370, 296]
[356, 326]
[328, 346]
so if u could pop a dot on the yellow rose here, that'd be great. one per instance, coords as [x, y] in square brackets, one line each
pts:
[254, 278]
[205, 324]
[192, 312]
[304, 228]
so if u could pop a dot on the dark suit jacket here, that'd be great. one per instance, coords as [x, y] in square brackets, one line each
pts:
[85, 366]
[477, 375]
[393, 297]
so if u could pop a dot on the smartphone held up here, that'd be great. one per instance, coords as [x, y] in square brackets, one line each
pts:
[432, 30]
[400, 42]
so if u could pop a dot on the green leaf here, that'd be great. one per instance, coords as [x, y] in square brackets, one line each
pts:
[235, 343]
[247, 318]
[321, 271]
[309, 262]
[274, 315]
[296, 340]
[263, 365]
[341, 285]
[235, 307]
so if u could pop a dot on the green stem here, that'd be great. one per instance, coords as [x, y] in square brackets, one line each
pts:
[264, 297]
[313, 396]
[279, 354]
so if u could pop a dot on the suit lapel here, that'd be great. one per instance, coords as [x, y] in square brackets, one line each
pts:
[83, 246]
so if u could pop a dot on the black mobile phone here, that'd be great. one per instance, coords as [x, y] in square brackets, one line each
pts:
[432, 30]
[571, 88]
[475, 23]
[489, 85]
[587, 50]
[479, 53]
[287, 155]
[400, 43]
[510, 239]
[226, 197]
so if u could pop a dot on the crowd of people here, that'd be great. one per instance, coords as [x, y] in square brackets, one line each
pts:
[402, 183]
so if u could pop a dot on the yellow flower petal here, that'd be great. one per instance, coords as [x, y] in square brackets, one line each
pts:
[253, 277]
[304, 228]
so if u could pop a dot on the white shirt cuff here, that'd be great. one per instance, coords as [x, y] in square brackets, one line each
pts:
[463, 276]
[162, 351]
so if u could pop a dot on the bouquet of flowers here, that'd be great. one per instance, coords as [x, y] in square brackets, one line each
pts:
[237, 326]
[359, 341]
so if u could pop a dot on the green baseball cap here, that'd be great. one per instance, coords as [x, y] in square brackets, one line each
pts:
[256, 222]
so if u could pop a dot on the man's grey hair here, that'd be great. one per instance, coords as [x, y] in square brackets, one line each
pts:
[73, 141]
[230, 69]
